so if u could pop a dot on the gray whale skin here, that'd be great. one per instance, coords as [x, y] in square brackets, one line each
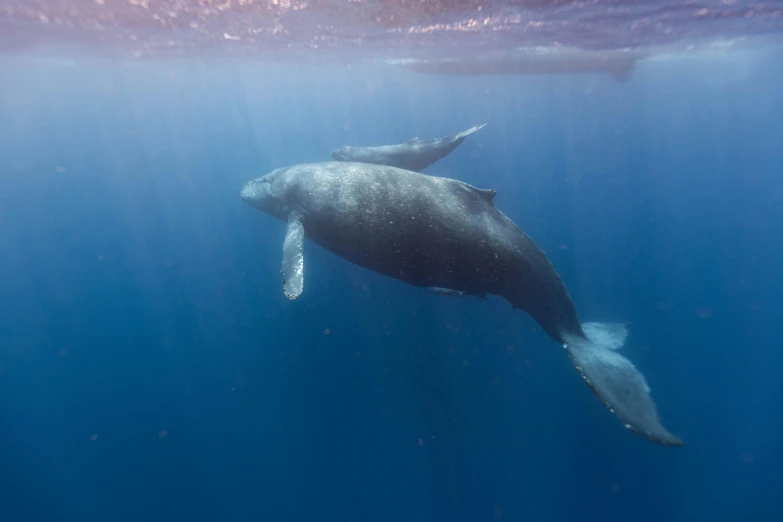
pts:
[441, 233]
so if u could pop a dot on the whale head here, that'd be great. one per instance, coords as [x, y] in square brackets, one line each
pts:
[342, 154]
[273, 194]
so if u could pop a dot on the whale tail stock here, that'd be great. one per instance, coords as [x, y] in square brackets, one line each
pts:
[616, 381]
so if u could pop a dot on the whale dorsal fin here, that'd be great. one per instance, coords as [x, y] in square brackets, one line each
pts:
[487, 194]
[413, 140]
[293, 256]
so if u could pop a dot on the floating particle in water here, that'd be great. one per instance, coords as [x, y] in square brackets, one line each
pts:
[60, 169]
[162, 433]
[615, 487]
[421, 442]
[62, 352]
[704, 312]
[94, 437]
[327, 331]
[563, 246]
[497, 512]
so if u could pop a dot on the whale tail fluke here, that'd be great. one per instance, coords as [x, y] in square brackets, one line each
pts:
[622, 71]
[464, 134]
[616, 381]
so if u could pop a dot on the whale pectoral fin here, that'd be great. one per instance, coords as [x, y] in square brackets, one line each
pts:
[447, 292]
[293, 256]
[616, 381]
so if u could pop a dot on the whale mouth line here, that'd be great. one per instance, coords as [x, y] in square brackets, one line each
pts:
[255, 190]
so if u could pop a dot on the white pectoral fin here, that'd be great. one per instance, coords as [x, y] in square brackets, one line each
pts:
[293, 256]
[616, 381]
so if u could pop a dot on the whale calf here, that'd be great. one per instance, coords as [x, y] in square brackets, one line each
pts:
[414, 154]
[441, 233]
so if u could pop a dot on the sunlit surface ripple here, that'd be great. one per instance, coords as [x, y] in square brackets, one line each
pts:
[420, 29]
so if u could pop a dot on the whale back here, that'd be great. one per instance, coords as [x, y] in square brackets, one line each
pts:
[432, 232]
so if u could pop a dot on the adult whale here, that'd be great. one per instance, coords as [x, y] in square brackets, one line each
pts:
[414, 154]
[443, 233]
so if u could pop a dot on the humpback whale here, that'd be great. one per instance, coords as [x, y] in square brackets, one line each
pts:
[414, 154]
[441, 233]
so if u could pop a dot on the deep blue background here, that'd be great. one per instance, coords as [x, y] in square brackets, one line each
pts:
[140, 295]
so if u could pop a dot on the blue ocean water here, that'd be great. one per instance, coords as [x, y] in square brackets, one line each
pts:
[151, 368]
